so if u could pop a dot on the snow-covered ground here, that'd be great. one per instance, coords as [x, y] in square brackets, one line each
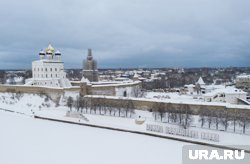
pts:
[129, 124]
[32, 140]
[25, 140]
[40, 105]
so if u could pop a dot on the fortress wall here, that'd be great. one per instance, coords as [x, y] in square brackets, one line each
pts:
[141, 104]
[107, 90]
[54, 93]
[148, 105]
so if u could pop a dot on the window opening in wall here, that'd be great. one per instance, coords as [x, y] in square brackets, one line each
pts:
[125, 94]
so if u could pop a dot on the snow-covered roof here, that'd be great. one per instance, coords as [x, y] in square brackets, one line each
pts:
[115, 84]
[243, 76]
[226, 90]
[200, 81]
[85, 80]
[122, 79]
[136, 75]
[189, 85]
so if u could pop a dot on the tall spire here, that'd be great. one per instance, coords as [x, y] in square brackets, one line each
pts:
[89, 54]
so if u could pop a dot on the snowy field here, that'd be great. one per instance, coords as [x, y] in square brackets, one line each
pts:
[30, 104]
[25, 140]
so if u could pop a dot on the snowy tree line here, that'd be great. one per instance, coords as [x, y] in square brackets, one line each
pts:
[179, 114]
[102, 106]
[166, 112]
[218, 119]
[224, 118]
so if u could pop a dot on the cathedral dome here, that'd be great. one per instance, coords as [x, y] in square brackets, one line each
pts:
[41, 53]
[57, 53]
[49, 52]
[50, 49]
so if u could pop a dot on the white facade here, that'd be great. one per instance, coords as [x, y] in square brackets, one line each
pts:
[190, 89]
[49, 70]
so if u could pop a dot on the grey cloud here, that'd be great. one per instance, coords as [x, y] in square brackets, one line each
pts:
[154, 33]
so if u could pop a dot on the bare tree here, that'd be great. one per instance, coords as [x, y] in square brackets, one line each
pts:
[82, 103]
[202, 116]
[187, 116]
[138, 92]
[225, 118]
[244, 120]
[161, 110]
[234, 117]
[180, 112]
[173, 115]
[169, 109]
[119, 105]
[217, 115]
[70, 102]
[128, 107]
[76, 104]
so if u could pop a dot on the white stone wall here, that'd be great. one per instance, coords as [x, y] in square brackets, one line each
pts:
[119, 91]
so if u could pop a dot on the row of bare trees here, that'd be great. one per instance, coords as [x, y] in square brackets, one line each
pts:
[102, 106]
[179, 114]
[224, 117]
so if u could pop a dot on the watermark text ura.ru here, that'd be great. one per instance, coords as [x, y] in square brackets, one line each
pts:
[216, 155]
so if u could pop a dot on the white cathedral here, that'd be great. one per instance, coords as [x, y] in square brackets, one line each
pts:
[49, 70]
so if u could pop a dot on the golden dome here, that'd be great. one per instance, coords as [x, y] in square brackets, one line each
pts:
[50, 49]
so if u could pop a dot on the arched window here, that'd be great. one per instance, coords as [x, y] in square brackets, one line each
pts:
[125, 94]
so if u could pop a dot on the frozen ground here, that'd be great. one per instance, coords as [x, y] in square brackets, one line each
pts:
[129, 124]
[30, 104]
[35, 104]
[25, 140]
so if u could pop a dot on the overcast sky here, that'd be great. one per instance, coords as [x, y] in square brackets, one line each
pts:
[127, 33]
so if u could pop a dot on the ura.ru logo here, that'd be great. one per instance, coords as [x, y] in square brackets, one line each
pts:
[216, 155]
